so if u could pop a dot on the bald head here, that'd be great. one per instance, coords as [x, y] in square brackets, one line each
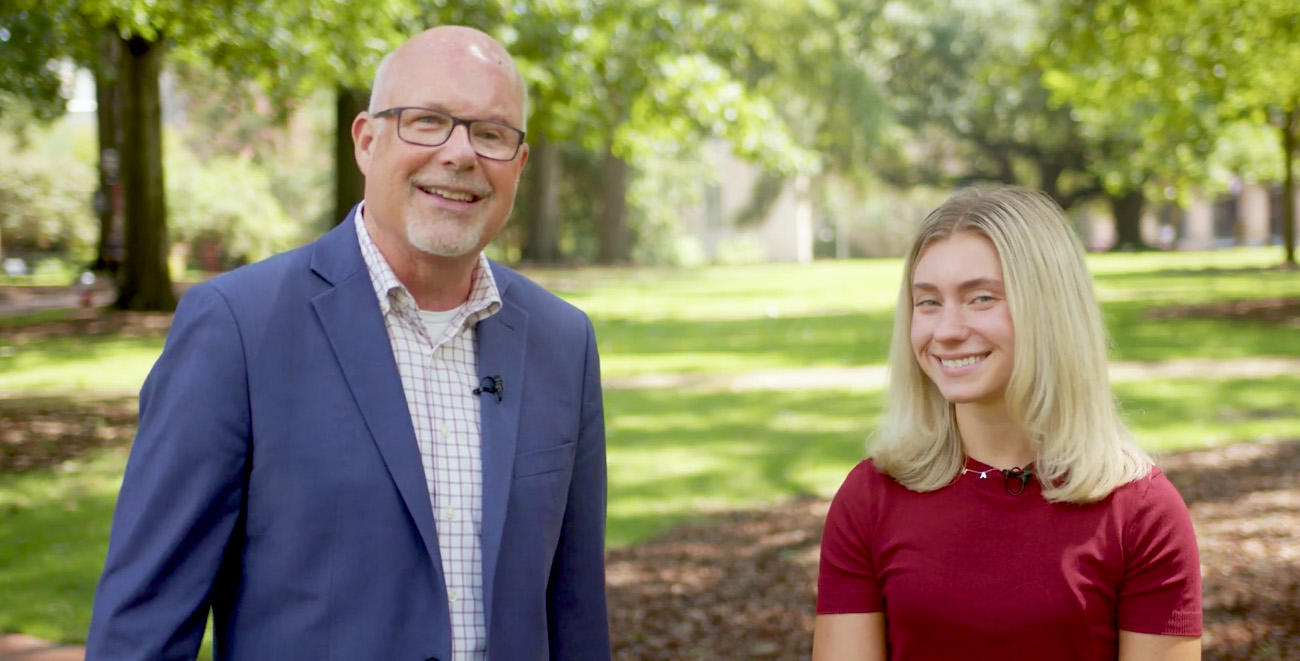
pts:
[441, 47]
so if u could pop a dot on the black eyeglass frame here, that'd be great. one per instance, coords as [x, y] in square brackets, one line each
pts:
[396, 112]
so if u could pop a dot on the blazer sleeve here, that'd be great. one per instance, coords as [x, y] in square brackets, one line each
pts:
[182, 493]
[576, 612]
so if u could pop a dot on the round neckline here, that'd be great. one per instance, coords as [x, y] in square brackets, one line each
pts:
[995, 477]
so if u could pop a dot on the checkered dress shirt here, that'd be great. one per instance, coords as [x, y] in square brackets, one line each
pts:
[438, 377]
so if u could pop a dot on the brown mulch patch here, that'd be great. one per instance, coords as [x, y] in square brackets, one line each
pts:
[1277, 310]
[742, 585]
[43, 432]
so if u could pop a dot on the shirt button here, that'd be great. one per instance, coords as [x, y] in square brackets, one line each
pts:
[452, 595]
[448, 514]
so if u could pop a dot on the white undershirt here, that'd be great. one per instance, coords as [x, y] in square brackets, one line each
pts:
[436, 321]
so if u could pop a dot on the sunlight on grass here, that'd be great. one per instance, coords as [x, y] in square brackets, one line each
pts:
[1107, 263]
[729, 292]
[95, 364]
[55, 526]
[1168, 415]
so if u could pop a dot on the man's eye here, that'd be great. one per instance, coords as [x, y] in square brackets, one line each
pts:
[429, 121]
[489, 135]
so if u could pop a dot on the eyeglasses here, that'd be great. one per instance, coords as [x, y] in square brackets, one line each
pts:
[430, 128]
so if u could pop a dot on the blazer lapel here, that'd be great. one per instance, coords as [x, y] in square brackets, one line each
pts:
[501, 342]
[349, 314]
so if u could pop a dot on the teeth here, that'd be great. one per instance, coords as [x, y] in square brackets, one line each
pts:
[451, 195]
[961, 362]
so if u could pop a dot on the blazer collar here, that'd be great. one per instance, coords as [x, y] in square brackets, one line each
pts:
[349, 314]
[502, 339]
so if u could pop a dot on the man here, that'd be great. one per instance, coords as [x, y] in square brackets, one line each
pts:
[380, 445]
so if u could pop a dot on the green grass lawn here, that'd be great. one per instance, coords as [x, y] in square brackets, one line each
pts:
[55, 524]
[739, 318]
[676, 455]
[105, 364]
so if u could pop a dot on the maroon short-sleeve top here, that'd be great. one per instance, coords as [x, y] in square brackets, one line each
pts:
[972, 571]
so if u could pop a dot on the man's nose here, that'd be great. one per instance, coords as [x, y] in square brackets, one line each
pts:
[458, 150]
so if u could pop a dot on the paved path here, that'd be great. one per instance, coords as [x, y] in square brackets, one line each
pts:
[17, 647]
[54, 299]
[872, 377]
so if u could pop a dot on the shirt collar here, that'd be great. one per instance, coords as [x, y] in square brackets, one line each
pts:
[484, 299]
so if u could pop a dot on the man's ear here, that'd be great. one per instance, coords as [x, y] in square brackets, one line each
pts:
[363, 141]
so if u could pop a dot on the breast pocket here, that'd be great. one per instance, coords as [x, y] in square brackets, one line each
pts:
[540, 493]
[545, 460]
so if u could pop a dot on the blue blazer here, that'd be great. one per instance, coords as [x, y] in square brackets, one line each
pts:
[275, 480]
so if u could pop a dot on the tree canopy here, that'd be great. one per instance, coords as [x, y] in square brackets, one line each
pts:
[1185, 68]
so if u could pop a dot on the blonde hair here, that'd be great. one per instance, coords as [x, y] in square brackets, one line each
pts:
[1059, 390]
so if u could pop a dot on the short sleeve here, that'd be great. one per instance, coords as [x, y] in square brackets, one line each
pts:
[1161, 589]
[846, 579]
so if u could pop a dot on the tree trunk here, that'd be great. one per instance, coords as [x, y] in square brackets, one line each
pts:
[542, 204]
[108, 199]
[146, 284]
[1049, 180]
[615, 239]
[1127, 209]
[1290, 126]
[349, 185]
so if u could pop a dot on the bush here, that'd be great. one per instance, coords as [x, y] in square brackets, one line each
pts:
[45, 200]
[224, 211]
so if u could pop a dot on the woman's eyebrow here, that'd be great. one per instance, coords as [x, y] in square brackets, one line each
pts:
[973, 283]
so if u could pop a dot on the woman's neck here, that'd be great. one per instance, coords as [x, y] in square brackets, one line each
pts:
[989, 435]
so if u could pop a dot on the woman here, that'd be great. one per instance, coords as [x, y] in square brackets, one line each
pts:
[1005, 512]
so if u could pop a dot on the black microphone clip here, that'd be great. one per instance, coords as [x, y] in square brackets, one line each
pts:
[1022, 474]
[491, 384]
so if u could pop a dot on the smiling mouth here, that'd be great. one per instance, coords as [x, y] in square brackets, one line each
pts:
[962, 362]
[453, 195]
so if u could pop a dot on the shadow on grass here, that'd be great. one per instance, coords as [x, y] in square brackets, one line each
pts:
[42, 432]
[1135, 335]
[673, 455]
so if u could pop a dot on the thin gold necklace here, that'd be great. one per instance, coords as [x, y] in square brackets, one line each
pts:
[983, 474]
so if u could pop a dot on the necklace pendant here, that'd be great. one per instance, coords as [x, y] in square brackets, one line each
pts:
[983, 474]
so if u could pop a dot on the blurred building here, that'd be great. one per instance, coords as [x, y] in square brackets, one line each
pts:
[1245, 215]
[745, 216]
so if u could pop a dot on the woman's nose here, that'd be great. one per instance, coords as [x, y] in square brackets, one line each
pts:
[952, 325]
